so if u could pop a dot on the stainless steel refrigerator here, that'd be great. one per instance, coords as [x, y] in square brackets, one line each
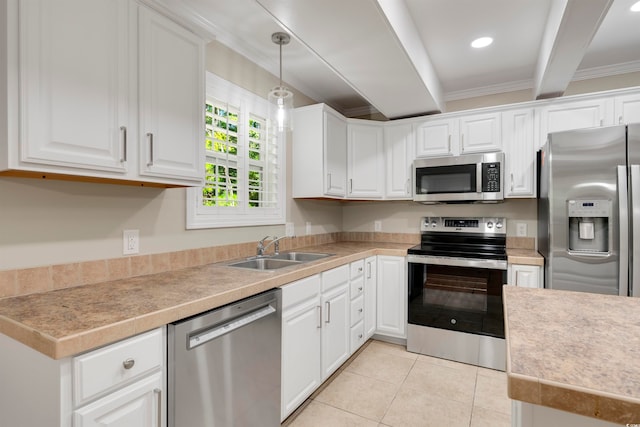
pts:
[589, 210]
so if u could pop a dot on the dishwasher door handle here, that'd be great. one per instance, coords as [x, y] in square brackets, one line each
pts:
[210, 334]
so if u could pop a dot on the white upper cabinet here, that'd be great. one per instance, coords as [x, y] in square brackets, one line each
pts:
[562, 116]
[627, 109]
[319, 148]
[520, 153]
[460, 135]
[75, 70]
[365, 155]
[434, 138]
[75, 83]
[399, 154]
[171, 99]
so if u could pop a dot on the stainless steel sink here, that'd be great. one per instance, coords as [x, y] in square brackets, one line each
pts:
[264, 263]
[300, 256]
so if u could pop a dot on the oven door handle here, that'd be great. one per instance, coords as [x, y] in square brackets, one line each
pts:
[492, 264]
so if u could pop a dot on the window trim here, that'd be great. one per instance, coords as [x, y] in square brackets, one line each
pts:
[249, 104]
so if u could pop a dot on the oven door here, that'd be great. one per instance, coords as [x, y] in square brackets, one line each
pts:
[457, 294]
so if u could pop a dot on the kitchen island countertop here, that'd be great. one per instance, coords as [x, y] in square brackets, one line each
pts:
[574, 351]
[69, 321]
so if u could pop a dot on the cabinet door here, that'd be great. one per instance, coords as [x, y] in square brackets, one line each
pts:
[526, 276]
[436, 138]
[335, 329]
[370, 288]
[627, 109]
[171, 99]
[301, 336]
[576, 115]
[335, 155]
[392, 296]
[75, 83]
[480, 133]
[398, 142]
[520, 153]
[138, 405]
[365, 169]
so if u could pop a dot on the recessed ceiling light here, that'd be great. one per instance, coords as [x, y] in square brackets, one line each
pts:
[635, 7]
[481, 42]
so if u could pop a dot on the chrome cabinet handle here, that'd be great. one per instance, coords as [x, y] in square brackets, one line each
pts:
[462, 142]
[158, 393]
[511, 181]
[150, 137]
[620, 119]
[328, 181]
[359, 310]
[123, 132]
[369, 270]
[351, 186]
[449, 143]
[359, 269]
[128, 363]
[328, 312]
[360, 288]
[319, 307]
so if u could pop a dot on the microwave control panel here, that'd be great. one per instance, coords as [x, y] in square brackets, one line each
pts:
[491, 177]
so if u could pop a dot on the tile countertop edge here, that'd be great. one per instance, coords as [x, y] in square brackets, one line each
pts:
[566, 397]
[76, 343]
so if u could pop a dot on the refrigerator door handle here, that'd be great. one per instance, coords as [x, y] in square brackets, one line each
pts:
[623, 232]
[634, 276]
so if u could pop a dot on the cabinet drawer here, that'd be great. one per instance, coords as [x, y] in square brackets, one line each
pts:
[115, 365]
[357, 337]
[357, 269]
[299, 291]
[357, 287]
[357, 310]
[335, 277]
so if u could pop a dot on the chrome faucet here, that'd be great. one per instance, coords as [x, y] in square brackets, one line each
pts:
[275, 241]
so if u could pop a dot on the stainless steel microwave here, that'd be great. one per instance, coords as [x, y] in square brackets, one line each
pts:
[467, 178]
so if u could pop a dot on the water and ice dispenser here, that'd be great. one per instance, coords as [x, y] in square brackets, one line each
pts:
[589, 226]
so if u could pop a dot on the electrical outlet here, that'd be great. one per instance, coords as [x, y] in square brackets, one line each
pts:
[307, 228]
[289, 229]
[377, 225]
[521, 229]
[130, 242]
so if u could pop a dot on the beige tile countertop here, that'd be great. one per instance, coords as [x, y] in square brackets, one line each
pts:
[65, 322]
[574, 351]
[524, 256]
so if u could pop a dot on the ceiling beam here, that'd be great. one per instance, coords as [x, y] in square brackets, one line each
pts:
[404, 26]
[354, 39]
[570, 28]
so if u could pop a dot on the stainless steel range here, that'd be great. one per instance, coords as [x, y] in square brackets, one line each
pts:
[455, 284]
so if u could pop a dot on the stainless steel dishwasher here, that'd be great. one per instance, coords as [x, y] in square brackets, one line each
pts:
[224, 365]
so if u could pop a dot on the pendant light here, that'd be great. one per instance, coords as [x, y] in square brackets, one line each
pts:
[280, 98]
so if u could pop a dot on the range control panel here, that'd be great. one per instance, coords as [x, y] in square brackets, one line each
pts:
[464, 225]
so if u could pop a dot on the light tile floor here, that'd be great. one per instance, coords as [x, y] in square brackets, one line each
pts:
[384, 385]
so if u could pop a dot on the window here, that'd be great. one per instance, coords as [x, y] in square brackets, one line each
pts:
[244, 182]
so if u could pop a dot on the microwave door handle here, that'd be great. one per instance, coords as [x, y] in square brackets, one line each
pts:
[479, 178]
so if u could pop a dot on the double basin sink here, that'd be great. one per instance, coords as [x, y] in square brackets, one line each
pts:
[273, 262]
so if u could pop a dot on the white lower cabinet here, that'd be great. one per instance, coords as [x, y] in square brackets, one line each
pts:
[391, 296]
[121, 384]
[370, 290]
[315, 333]
[140, 404]
[526, 276]
[357, 294]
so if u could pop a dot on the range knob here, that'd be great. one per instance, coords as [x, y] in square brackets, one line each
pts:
[434, 224]
[490, 224]
[498, 225]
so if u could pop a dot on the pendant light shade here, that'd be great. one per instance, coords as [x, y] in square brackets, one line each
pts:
[280, 98]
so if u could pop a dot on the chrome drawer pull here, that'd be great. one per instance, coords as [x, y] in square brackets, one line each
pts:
[128, 364]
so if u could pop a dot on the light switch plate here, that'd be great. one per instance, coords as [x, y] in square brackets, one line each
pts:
[377, 225]
[289, 229]
[521, 229]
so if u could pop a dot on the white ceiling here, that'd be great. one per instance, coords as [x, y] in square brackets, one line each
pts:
[408, 57]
